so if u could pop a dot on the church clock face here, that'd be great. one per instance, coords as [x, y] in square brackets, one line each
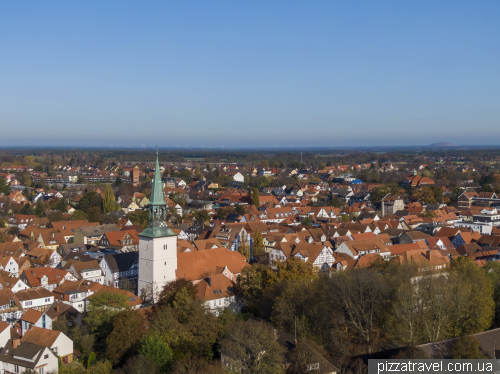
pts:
[162, 224]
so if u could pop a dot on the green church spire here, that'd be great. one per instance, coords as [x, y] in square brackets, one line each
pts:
[157, 195]
[157, 208]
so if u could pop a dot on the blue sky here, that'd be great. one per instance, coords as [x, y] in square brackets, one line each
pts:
[256, 73]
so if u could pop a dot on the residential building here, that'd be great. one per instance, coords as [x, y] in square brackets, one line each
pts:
[86, 270]
[92, 235]
[217, 291]
[35, 318]
[391, 204]
[38, 299]
[21, 357]
[56, 341]
[120, 267]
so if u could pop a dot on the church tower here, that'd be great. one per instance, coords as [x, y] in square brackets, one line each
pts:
[157, 244]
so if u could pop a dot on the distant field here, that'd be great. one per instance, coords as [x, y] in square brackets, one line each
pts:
[194, 159]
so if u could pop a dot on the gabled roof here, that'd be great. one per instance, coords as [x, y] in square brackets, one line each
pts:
[43, 337]
[32, 316]
[58, 308]
[418, 235]
[79, 286]
[207, 244]
[114, 237]
[433, 242]
[121, 261]
[469, 237]
[220, 287]
[32, 294]
[81, 266]
[29, 351]
[366, 261]
[54, 276]
[98, 230]
[196, 265]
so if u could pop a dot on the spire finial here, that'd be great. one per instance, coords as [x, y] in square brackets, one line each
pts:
[157, 150]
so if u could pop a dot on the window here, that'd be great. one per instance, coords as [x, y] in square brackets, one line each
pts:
[164, 246]
[28, 303]
[45, 356]
[16, 368]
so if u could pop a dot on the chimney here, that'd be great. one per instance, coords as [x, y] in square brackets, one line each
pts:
[209, 281]
[57, 308]
[15, 343]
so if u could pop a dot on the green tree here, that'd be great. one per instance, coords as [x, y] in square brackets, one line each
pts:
[221, 213]
[55, 216]
[91, 360]
[101, 367]
[4, 187]
[252, 346]
[155, 349]
[118, 182]
[202, 215]
[62, 205]
[492, 268]
[258, 248]
[139, 217]
[244, 247]
[378, 193]
[139, 365]
[171, 289]
[255, 198]
[455, 193]
[361, 299]
[334, 201]
[128, 328]
[93, 214]
[294, 269]
[472, 291]
[27, 209]
[78, 215]
[39, 208]
[89, 200]
[187, 327]
[108, 204]
[252, 283]
[467, 348]
[26, 193]
[307, 221]
[429, 214]
[104, 306]
[61, 324]
[240, 209]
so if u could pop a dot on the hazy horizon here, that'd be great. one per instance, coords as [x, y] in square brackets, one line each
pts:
[249, 75]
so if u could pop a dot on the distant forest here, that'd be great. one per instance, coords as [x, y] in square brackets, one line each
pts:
[311, 158]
